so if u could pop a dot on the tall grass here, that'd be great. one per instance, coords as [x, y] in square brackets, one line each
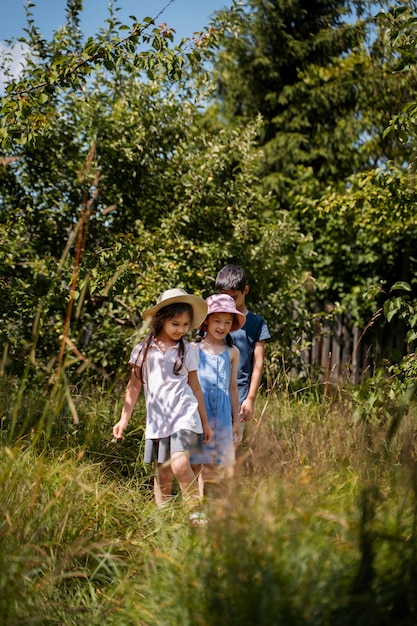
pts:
[318, 527]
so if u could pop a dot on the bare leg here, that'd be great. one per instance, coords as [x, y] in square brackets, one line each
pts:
[162, 483]
[183, 472]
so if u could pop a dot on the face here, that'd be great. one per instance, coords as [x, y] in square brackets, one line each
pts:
[177, 326]
[219, 324]
[238, 297]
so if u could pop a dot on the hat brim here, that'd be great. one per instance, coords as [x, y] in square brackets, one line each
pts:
[238, 321]
[198, 305]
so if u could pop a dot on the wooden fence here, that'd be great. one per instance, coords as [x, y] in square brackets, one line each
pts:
[341, 350]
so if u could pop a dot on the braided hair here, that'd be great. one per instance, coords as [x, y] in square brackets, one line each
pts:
[163, 315]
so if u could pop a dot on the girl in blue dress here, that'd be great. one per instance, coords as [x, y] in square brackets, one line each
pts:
[217, 373]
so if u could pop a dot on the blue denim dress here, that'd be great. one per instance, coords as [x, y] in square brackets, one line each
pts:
[214, 373]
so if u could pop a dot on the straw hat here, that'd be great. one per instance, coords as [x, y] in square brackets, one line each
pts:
[223, 303]
[171, 296]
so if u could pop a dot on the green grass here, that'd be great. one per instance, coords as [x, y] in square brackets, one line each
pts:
[318, 528]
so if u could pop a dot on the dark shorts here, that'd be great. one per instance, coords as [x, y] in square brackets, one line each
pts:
[161, 450]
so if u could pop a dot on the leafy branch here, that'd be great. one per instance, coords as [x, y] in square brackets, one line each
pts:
[101, 51]
[29, 105]
[400, 24]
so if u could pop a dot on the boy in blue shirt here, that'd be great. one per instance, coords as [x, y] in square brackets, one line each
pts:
[250, 339]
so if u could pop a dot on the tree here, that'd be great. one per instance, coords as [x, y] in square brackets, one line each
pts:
[364, 234]
[400, 23]
[317, 72]
[66, 64]
[323, 77]
[159, 201]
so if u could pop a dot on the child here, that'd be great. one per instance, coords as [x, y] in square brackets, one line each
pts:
[250, 340]
[165, 365]
[217, 372]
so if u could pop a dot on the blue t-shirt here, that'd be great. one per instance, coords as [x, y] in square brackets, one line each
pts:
[255, 329]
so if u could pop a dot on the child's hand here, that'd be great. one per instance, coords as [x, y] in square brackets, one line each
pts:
[207, 434]
[247, 410]
[118, 431]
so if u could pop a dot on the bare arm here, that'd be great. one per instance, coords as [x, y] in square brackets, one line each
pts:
[133, 390]
[248, 405]
[198, 392]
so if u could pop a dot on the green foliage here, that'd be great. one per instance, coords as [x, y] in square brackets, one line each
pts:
[400, 23]
[157, 200]
[321, 78]
[66, 64]
[363, 233]
[55, 555]
[137, 187]
[387, 396]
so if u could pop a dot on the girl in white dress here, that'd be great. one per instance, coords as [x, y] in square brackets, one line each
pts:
[165, 365]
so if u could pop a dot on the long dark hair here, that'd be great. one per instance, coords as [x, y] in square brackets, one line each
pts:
[157, 324]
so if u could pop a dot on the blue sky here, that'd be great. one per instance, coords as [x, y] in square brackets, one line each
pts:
[185, 16]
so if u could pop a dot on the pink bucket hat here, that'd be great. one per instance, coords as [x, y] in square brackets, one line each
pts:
[223, 303]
